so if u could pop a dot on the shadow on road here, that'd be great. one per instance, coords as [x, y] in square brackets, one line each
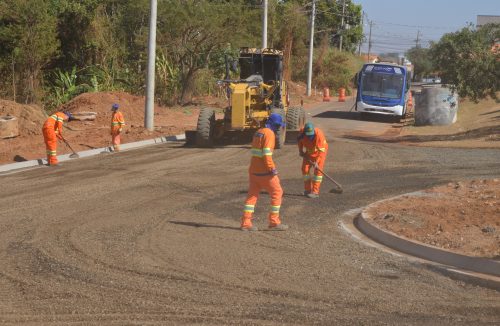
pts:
[204, 225]
[357, 116]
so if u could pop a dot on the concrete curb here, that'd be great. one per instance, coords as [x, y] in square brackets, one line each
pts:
[438, 255]
[92, 152]
[347, 224]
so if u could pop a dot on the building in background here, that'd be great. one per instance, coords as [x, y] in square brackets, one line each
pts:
[487, 19]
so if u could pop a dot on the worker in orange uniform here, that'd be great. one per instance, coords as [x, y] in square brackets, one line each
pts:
[52, 131]
[313, 148]
[117, 123]
[263, 175]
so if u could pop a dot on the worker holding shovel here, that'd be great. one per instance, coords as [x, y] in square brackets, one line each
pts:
[313, 148]
[264, 176]
[117, 123]
[52, 131]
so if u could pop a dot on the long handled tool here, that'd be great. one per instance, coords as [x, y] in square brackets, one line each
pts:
[338, 189]
[74, 155]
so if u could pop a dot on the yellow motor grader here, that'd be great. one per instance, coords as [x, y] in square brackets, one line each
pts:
[258, 92]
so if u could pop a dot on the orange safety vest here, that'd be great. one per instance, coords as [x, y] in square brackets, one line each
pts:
[55, 122]
[262, 152]
[314, 147]
[117, 122]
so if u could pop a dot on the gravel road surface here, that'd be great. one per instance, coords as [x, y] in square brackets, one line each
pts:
[151, 236]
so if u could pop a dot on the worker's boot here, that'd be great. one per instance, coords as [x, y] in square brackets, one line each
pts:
[246, 223]
[278, 227]
[312, 195]
[249, 228]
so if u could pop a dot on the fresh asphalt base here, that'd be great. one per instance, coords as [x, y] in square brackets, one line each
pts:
[152, 236]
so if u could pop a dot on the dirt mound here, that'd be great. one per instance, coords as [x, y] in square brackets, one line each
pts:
[463, 217]
[131, 106]
[31, 117]
[298, 95]
[85, 135]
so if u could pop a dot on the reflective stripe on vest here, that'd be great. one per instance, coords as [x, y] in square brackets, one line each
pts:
[56, 118]
[257, 152]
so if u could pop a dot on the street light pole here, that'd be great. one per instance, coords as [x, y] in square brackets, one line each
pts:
[311, 47]
[264, 24]
[342, 25]
[150, 85]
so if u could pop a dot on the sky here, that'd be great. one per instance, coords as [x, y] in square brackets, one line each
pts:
[396, 23]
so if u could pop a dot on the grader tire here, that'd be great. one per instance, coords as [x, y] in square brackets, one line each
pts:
[295, 118]
[205, 128]
[281, 133]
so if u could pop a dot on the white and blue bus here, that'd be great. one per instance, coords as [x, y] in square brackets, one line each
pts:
[382, 89]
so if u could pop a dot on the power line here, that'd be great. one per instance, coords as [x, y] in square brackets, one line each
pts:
[417, 26]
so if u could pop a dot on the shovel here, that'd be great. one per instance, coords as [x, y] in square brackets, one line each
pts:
[338, 189]
[74, 155]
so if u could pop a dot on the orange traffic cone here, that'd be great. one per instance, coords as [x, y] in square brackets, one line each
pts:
[341, 94]
[326, 94]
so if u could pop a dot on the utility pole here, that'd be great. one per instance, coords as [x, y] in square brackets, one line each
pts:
[417, 45]
[362, 26]
[311, 47]
[150, 85]
[264, 24]
[342, 25]
[370, 41]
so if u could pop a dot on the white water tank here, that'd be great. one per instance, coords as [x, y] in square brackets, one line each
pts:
[436, 105]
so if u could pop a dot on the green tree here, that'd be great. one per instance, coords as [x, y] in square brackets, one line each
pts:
[421, 60]
[191, 32]
[466, 61]
[29, 39]
[329, 23]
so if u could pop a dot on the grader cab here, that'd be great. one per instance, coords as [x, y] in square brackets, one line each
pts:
[258, 92]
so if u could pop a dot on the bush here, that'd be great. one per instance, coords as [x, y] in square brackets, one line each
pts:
[331, 68]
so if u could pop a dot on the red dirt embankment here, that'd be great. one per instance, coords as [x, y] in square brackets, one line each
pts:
[90, 134]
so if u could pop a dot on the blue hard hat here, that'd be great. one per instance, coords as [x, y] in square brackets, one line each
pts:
[69, 115]
[276, 119]
[115, 106]
[309, 129]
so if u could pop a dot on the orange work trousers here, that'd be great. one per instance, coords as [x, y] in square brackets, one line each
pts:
[313, 183]
[50, 139]
[116, 140]
[270, 183]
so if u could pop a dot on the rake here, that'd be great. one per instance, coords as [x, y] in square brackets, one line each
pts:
[338, 189]
[74, 154]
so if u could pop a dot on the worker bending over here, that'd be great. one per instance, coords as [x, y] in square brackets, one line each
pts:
[117, 123]
[263, 175]
[313, 141]
[52, 130]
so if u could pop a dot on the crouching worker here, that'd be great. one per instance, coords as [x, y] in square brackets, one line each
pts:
[264, 176]
[52, 131]
[117, 123]
[313, 148]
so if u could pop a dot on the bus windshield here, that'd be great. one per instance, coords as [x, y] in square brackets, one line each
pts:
[382, 85]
